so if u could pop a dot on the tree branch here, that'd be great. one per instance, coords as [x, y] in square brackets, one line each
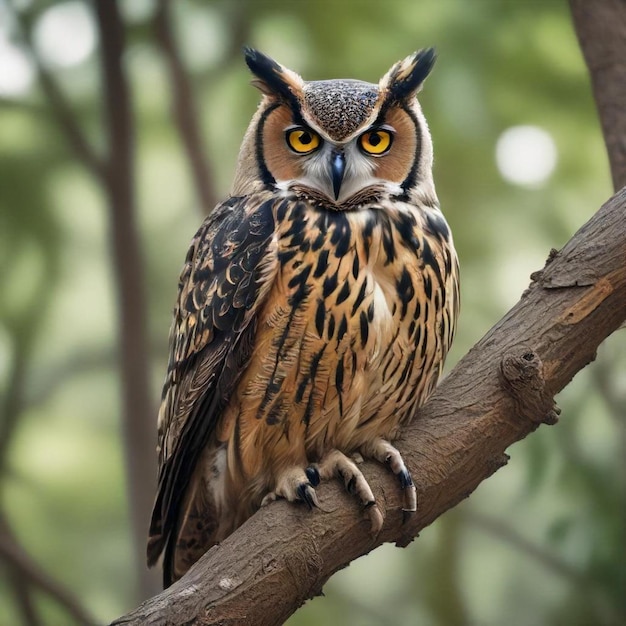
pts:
[184, 109]
[498, 393]
[601, 29]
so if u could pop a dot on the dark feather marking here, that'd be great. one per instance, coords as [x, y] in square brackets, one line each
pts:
[318, 242]
[300, 278]
[447, 260]
[280, 341]
[428, 287]
[331, 326]
[430, 260]
[301, 389]
[268, 180]
[284, 256]
[418, 310]
[405, 369]
[273, 388]
[360, 297]
[436, 225]
[388, 244]
[320, 316]
[310, 378]
[281, 211]
[339, 383]
[343, 328]
[405, 224]
[391, 374]
[322, 264]
[343, 294]
[411, 179]
[330, 284]
[405, 290]
[341, 235]
[364, 328]
[391, 343]
[424, 347]
[356, 266]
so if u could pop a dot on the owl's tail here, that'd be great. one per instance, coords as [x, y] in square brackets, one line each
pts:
[193, 534]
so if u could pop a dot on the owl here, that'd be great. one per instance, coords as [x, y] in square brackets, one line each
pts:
[315, 309]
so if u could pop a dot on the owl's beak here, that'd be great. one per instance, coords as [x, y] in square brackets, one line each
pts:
[337, 169]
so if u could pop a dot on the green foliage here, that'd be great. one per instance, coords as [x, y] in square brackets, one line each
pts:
[542, 542]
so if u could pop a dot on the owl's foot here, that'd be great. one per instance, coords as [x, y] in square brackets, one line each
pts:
[295, 485]
[384, 452]
[335, 464]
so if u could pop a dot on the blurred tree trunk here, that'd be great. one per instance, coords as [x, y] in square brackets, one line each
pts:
[138, 415]
[601, 29]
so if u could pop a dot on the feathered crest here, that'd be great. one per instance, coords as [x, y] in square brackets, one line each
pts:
[272, 78]
[405, 78]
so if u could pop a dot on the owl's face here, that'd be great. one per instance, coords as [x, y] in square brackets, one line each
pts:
[340, 143]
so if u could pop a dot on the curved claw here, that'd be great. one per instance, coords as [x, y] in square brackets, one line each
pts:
[410, 493]
[306, 493]
[375, 517]
[384, 452]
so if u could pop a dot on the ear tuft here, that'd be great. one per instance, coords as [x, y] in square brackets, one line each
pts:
[272, 78]
[405, 78]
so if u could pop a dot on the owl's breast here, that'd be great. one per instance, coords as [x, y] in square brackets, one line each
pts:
[349, 341]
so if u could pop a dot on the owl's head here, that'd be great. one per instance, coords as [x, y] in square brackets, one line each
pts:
[340, 143]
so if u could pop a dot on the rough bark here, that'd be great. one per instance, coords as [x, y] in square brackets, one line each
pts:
[601, 29]
[502, 390]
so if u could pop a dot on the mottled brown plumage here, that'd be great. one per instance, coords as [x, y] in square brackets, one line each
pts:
[315, 310]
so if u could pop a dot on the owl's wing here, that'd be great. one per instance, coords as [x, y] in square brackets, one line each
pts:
[227, 274]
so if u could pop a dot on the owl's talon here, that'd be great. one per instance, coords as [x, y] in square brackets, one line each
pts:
[351, 489]
[375, 517]
[270, 497]
[306, 493]
[410, 493]
[405, 479]
[335, 464]
[384, 452]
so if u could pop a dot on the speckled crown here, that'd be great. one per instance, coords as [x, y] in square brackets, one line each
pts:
[340, 106]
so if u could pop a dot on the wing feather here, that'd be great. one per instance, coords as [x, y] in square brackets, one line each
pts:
[227, 274]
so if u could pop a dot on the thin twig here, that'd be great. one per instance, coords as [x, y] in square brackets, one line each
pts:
[60, 106]
[19, 560]
[549, 561]
[24, 599]
[184, 109]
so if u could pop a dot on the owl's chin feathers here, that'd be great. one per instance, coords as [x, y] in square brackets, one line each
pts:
[365, 196]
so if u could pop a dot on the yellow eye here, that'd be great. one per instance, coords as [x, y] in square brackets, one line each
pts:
[302, 140]
[375, 142]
